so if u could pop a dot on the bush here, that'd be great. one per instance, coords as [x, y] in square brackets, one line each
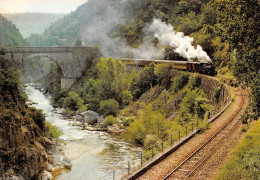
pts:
[164, 74]
[217, 92]
[128, 121]
[58, 97]
[126, 97]
[53, 131]
[180, 81]
[194, 82]
[110, 120]
[244, 129]
[150, 140]
[109, 107]
[74, 102]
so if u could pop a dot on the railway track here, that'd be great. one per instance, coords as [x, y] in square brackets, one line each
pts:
[196, 159]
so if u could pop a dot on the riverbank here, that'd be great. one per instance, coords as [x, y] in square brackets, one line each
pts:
[93, 154]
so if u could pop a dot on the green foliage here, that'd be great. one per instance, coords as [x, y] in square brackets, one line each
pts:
[238, 25]
[128, 121]
[9, 76]
[180, 81]
[110, 120]
[109, 107]
[112, 79]
[164, 74]
[53, 78]
[126, 97]
[150, 140]
[194, 81]
[188, 23]
[145, 80]
[162, 100]
[194, 104]
[74, 102]
[245, 159]
[59, 96]
[217, 92]
[148, 122]
[53, 132]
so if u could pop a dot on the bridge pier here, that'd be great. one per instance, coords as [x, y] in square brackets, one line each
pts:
[66, 83]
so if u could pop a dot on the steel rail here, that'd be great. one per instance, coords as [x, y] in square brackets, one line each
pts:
[220, 130]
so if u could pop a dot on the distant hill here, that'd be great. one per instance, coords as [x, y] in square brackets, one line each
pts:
[29, 23]
[9, 34]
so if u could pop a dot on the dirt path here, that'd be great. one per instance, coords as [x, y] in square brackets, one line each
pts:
[218, 159]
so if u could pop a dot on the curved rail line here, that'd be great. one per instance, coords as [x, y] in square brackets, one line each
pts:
[196, 159]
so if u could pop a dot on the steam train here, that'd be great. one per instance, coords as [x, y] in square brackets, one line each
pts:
[200, 67]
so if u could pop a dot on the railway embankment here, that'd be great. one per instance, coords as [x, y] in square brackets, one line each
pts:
[221, 97]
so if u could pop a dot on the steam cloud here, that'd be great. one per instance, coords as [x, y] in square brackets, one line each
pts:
[98, 30]
[182, 44]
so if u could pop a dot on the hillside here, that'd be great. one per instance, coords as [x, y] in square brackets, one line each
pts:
[10, 35]
[144, 29]
[29, 23]
[23, 138]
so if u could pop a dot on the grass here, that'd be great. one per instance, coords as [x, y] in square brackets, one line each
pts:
[244, 162]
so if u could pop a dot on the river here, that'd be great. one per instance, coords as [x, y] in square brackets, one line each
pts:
[94, 155]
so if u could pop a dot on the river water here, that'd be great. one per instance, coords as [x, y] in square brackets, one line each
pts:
[94, 155]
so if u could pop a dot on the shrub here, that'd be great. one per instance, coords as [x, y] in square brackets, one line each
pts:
[74, 102]
[128, 121]
[126, 97]
[110, 120]
[58, 95]
[150, 140]
[244, 129]
[180, 81]
[217, 92]
[164, 74]
[194, 81]
[53, 131]
[109, 107]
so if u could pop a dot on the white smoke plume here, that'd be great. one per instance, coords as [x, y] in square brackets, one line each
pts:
[101, 17]
[182, 44]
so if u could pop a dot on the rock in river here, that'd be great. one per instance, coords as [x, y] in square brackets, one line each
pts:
[91, 117]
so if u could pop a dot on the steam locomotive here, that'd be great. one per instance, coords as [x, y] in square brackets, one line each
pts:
[200, 67]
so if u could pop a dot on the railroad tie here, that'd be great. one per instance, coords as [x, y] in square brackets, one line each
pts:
[185, 170]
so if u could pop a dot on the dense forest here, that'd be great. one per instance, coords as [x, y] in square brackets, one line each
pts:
[227, 31]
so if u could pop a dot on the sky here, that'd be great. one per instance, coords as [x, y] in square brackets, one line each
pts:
[42, 6]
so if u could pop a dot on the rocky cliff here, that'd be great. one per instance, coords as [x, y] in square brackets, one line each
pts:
[23, 141]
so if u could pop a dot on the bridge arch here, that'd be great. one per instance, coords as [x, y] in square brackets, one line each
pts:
[73, 61]
[48, 56]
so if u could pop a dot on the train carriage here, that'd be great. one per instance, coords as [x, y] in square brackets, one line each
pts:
[200, 67]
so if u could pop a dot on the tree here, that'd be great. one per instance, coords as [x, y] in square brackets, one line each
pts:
[109, 107]
[74, 102]
[239, 22]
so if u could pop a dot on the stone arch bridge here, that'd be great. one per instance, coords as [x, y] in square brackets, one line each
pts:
[73, 61]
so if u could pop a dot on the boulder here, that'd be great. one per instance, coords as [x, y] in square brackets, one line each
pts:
[66, 162]
[90, 120]
[46, 175]
[78, 118]
[60, 110]
[91, 117]
[90, 113]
